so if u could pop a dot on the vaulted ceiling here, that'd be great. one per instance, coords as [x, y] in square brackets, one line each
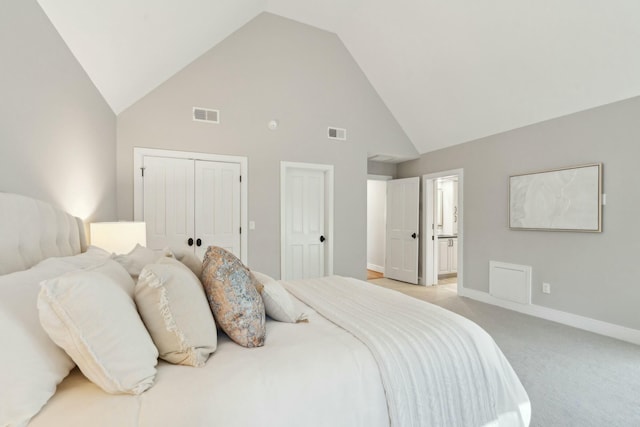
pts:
[449, 71]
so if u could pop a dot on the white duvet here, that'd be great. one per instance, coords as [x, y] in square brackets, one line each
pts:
[438, 368]
[307, 374]
[347, 371]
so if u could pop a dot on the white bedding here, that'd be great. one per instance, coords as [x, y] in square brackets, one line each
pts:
[27, 379]
[438, 368]
[307, 374]
[318, 374]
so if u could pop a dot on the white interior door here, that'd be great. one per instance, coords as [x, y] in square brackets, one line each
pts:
[217, 206]
[168, 201]
[304, 223]
[401, 260]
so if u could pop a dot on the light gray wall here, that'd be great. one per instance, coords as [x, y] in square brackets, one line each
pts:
[57, 134]
[381, 168]
[272, 68]
[593, 275]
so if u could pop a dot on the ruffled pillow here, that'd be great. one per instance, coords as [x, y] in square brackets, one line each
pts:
[91, 315]
[140, 256]
[233, 295]
[174, 309]
[188, 258]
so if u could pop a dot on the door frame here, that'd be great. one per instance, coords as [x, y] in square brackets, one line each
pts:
[138, 185]
[428, 217]
[328, 211]
[384, 178]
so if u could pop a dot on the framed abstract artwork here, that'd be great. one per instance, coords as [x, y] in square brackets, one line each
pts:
[567, 199]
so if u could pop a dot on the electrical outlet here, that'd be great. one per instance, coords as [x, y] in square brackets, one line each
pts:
[546, 288]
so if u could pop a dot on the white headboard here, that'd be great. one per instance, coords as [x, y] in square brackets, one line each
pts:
[32, 230]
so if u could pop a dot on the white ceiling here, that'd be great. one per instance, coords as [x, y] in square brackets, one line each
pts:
[450, 71]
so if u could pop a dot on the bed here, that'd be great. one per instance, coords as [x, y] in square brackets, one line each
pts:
[366, 357]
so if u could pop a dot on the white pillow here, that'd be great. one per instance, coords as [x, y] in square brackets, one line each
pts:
[175, 311]
[188, 258]
[277, 302]
[31, 365]
[91, 315]
[140, 256]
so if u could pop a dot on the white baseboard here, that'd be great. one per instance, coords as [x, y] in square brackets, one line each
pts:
[374, 267]
[586, 323]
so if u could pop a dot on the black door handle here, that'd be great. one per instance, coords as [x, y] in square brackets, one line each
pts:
[414, 235]
[198, 242]
[322, 239]
[190, 241]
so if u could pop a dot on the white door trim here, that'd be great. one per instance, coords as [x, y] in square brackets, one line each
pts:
[138, 185]
[428, 206]
[379, 177]
[429, 266]
[328, 206]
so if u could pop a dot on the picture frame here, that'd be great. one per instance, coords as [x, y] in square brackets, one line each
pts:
[565, 199]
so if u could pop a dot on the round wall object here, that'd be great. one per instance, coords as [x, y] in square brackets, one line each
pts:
[273, 124]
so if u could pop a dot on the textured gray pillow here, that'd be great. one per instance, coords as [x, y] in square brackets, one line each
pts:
[233, 295]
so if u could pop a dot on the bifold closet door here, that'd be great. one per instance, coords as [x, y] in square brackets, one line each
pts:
[217, 206]
[192, 204]
[169, 202]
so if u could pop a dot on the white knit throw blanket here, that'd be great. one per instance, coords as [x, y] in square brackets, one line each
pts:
[437, 368]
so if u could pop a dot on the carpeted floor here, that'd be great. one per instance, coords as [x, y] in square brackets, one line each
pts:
[573, 377]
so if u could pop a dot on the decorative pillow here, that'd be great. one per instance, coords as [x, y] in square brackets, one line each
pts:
[233, 294]
[277, 302]
[140, 256]
[188, 258]
[174, 309]
[31, 365]
[91, 315]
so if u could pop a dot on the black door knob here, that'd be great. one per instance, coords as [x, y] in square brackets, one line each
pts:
[414, 235]
[190, 241]
[322, 239]
[198, 242]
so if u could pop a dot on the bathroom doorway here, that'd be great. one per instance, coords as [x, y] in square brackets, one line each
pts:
[444, 231]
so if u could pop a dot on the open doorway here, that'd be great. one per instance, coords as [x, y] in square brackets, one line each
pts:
[376, 224]
[444, 236]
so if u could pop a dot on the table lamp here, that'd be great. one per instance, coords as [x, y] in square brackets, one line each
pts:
[118, 237]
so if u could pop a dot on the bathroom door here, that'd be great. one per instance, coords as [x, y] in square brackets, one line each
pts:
[401, 259]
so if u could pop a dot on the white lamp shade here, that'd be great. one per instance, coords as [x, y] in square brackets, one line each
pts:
[118, 237]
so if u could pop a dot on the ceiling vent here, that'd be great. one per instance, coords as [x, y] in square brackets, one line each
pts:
[337, 133]
[206, 115]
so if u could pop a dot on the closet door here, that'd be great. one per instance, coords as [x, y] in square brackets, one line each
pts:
[304, 223]
[217, 206]
[169, 202]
